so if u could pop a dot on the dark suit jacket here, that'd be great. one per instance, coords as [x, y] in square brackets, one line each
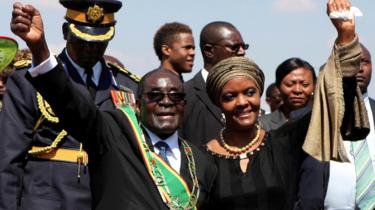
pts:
[202, 119]
[119, 178]
[40, 184]
[272, 121]
[313, 184]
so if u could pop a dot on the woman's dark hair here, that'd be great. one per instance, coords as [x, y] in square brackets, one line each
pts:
[292, 64]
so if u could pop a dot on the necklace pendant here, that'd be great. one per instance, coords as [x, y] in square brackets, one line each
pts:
[243, 156]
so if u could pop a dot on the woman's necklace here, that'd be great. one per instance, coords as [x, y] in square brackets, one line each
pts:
[239, 151]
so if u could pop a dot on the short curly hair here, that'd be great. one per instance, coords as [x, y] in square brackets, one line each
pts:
[166, 34]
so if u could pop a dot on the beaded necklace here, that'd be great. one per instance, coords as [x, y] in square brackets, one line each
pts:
[239, 151]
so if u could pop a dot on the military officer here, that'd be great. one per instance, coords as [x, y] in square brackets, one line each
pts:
[42, 166]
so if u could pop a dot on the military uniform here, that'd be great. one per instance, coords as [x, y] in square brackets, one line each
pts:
[27, 122]
[41, 166]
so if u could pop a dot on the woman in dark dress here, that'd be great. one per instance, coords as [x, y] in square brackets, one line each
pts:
[256, 170]
[259, 169]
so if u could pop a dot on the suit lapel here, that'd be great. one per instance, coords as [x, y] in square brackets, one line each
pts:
[200, 87]
[147, 139]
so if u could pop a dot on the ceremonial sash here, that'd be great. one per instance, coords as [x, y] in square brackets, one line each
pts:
[171, 186]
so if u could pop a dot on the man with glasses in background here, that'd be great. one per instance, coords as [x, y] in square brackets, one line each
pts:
[203, 120]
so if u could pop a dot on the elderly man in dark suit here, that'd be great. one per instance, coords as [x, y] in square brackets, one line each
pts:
[41, 165]
[203, 120]
[132, 165]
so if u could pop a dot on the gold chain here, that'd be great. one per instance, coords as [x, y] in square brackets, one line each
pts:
[193, 174]
[174, 204]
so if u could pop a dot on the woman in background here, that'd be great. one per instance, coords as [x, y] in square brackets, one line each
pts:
[295, 79]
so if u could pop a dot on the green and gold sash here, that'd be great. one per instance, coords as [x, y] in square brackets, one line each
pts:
[171, 186]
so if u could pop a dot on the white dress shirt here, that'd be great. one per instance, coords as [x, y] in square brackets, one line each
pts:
[173, 153]
[43, 67]
[204, 73]
[342, 177]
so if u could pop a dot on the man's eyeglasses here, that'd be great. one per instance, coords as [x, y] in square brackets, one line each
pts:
[157, 96]
[234, 47]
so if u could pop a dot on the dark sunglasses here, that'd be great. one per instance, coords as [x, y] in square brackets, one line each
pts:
[235, 47]
[157, 96]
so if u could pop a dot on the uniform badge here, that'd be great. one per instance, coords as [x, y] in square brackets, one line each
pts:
[95, 14]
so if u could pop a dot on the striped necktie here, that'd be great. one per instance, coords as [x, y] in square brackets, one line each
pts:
[163, 148]
[365, 186]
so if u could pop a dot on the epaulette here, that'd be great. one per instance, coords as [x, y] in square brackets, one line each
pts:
[22, 64]
[131, 75]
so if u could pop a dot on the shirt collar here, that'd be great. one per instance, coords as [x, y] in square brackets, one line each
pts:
[204, 73]
[172, 140]
[97, 70]
[365, 97]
